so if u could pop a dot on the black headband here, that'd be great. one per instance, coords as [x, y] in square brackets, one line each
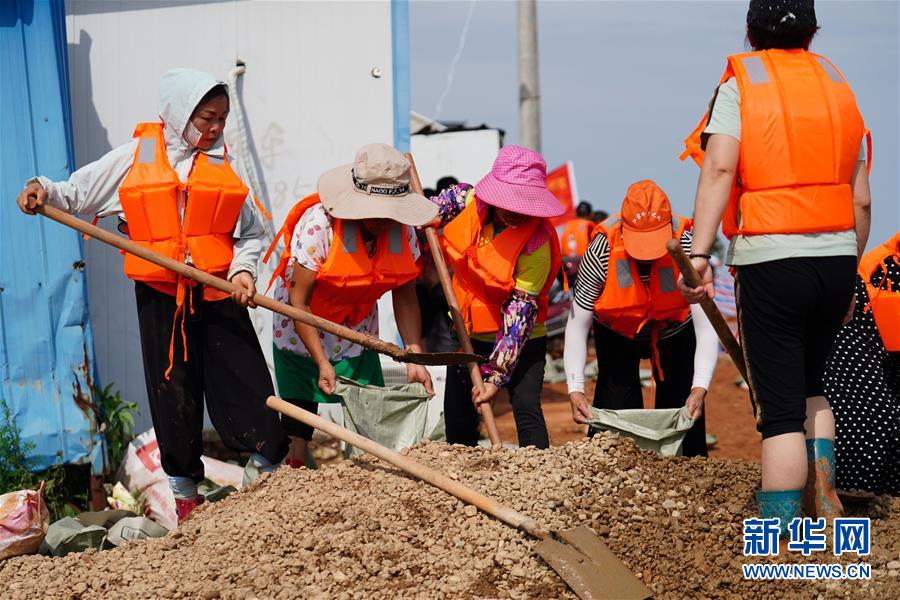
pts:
[379, 190]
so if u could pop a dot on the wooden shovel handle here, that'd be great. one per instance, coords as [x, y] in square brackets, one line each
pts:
[487, 413]
[413, 467]
[692, 279]
[222, 285]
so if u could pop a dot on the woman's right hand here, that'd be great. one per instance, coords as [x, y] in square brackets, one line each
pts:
[33, 196]
[327, 378]
[581, 411]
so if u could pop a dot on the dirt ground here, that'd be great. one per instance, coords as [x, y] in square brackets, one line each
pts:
[729, 415]
[362, 529]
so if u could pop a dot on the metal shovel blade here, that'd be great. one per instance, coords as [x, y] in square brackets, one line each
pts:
[439, 358]
[589, 567]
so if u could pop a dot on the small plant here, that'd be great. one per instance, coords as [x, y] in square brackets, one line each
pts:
[60, 489]
[14, 462]
[117, 423]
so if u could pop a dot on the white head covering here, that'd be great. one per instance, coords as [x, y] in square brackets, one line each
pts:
[180, 90]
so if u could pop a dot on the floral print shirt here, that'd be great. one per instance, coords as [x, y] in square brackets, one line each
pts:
[310, 246]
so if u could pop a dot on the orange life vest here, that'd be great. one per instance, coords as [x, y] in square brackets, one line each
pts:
[150, 200]
[626, 303]
[484, 273]
[800, 136]
[884, 298]
[575, 237]
[150, 195]
[350, 282]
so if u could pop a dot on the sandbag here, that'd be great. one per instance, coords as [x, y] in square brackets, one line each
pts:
[134, 528]
[24, 522]
[142, 474]
[661, 430]
[392, 416]
[70, 535]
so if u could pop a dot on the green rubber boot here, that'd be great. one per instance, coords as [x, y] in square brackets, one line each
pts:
[820, 497]
[782, 504]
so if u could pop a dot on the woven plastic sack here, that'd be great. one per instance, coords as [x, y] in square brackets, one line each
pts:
[392, 416]
[70, 535]
[661, 430]
[23, 522]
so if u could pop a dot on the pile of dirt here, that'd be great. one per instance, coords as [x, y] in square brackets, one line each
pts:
[362, 529]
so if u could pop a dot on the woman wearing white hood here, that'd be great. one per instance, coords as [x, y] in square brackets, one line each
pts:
[175, 192]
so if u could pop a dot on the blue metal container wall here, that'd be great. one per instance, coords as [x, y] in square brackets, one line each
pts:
[46, 346]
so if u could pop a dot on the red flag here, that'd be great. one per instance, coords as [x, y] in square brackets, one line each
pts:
[561, 183]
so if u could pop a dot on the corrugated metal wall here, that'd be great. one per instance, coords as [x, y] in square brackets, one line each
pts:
[46, 349]
[310, 95]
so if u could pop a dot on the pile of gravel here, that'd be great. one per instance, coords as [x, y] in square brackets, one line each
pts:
[362, 529]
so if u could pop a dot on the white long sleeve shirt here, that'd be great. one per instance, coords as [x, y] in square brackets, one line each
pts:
[589, 287]
[94, 188]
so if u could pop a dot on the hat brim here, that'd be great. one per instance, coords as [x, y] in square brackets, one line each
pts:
[534, 201]
[343, 201]
[646, 245]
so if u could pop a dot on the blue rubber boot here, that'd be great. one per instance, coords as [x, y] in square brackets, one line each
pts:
[781, 504]
[820, 497]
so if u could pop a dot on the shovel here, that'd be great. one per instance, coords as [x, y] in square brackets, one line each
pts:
[583, 561]
[397, 353]
[692, 279]
[487, 413]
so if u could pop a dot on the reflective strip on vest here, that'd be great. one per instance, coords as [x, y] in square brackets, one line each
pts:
[349, 237]
[829, 68]
[756, 70]
[215, 160]
[147, 150]
[666, 279]
[395, 240]
[623, 273]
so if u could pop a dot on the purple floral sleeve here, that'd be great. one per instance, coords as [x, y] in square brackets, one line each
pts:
[451, 201]
[519, 317]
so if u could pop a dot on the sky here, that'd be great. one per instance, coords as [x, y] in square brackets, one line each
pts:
[623, 83]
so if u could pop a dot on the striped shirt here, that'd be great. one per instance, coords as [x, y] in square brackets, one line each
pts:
[591, 280]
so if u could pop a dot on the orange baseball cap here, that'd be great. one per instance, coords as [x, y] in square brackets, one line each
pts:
[646, 221]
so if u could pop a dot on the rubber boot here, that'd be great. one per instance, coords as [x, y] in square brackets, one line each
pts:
[257, 464]
[820, 497]
[781, 504]
[185, 506]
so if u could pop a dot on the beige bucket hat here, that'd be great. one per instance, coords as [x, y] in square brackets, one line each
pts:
[375, 186]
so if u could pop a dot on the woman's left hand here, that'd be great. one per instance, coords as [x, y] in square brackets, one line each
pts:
[246, 289]
[490, 391]
[695, 295]
[694, 403]
[849, 316]
[419, 374]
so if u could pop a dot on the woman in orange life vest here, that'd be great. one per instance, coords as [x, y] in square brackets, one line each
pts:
[783, 163]
[574, 237]
[862, 378]
[626, 287]
[345, 247]
[505, 255]
[168, 183]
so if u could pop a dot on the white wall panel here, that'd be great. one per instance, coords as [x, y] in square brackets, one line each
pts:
[309, 96]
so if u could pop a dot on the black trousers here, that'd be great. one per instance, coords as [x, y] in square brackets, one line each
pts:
[225, 363]
[619, 378]
[524, 388]
[789, 313]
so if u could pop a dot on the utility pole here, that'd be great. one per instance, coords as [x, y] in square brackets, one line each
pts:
[529, 95]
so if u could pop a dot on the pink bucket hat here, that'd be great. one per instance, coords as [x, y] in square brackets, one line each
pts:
[518, 182]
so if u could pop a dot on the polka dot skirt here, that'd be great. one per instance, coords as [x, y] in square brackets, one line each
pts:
[862, 384]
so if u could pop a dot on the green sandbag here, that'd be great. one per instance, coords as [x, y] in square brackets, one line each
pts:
[392, 416]
[661, 430]
[69, 535]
